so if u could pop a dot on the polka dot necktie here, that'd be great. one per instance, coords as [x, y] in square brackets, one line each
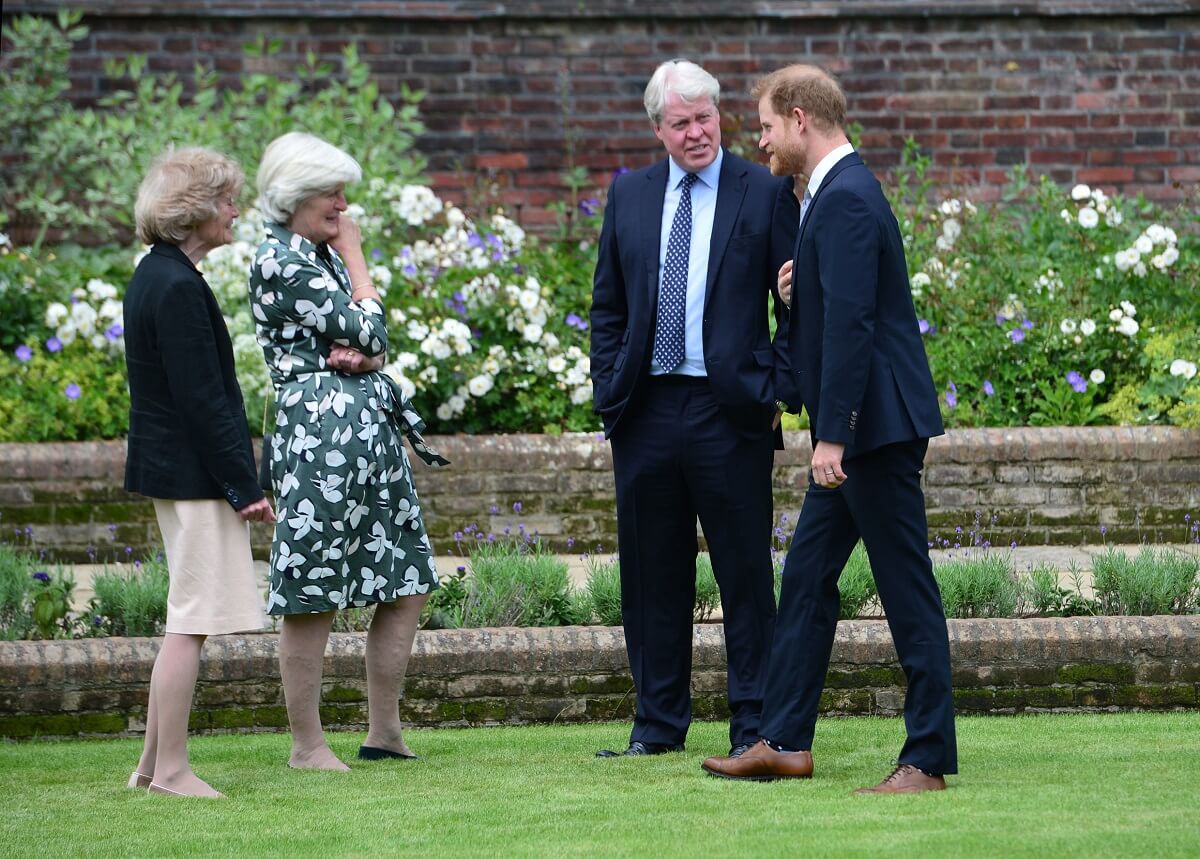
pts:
[672, 295]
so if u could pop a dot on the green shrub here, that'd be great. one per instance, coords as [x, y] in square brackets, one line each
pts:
[1155, 581]
[979, 584]
[444, 610]
[856, 584]
[16, 582]
[604, 591]
[1042, 595]
[517, 584]
[132, 602]
[708, 593]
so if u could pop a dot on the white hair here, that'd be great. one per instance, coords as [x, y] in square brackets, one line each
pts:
[297, 167]
[682, 77]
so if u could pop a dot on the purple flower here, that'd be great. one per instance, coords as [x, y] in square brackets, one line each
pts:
[517, 507]
[1016, 335]
[988, 390]
[1076, 381]
[72, 392]
[54, 345]
[951, 399]
[24, 353]
[590, 206]
[1027, 324]
[953, 387]
[474, 240]
[923, 326]
[409, 270]
[376, 253]
[1001, 318]
[575, 321]
[97, 620]
[42, 576]
[493, 509]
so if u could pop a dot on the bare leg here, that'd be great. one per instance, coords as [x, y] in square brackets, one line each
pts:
[143, 774]
[301, 655]
[389, 644]
[171, 688]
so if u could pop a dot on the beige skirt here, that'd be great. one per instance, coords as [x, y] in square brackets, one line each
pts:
[213, 586]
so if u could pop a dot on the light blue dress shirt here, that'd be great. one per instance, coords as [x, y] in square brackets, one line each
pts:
[704, 207]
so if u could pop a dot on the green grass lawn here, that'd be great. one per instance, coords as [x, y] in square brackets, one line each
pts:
[1096, 785]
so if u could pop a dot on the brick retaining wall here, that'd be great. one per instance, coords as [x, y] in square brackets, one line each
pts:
[1099, 91]
[98, 687]
[1043, 486]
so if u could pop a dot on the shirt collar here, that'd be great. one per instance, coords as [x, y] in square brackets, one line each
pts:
[823, 168]
[708, 175]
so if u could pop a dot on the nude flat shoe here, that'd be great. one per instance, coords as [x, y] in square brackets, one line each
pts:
[137, 781]
[166, 791]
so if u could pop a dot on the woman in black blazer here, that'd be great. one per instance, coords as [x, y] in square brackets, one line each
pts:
[189, 444]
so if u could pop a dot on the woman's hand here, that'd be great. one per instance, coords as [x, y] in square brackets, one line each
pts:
[259, 511]
[351, 361]
[783, 283]
[348, 244]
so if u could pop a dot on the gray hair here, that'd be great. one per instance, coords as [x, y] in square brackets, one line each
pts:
[297, 167]
[682, 77]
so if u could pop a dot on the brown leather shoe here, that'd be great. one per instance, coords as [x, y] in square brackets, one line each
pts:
[906, 779]
[761, 763]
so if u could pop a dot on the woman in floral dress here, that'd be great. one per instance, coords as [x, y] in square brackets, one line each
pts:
[350, 531]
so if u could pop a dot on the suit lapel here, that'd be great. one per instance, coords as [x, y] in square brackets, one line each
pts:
[850, 160]
[731, 191]
[654, 192]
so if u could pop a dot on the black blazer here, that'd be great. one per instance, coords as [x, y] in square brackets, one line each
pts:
[188, 436]
[754, 226]
[851, 351]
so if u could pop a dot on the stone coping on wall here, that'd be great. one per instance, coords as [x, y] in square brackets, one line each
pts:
[1054, 485]
[98, 687]
[472, 10]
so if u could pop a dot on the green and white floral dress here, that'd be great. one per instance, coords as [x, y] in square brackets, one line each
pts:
[350, 531]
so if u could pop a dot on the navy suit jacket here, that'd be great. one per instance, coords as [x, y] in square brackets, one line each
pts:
[851, 351]
[754, 226]
[188, 436]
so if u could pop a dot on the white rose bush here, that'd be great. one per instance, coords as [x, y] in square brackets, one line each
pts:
[1054, 306]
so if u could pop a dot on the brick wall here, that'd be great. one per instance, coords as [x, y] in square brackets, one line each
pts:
[98, 687]
[1043, 486]
[1099, 91]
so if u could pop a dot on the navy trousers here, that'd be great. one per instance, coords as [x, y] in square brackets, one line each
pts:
[677, 458]
[881, 502]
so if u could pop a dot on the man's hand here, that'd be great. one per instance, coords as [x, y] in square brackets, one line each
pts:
[259, 511]
[351, 361]
[783, 283]
[827, 464]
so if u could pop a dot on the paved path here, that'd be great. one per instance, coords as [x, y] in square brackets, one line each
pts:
[1064, 559]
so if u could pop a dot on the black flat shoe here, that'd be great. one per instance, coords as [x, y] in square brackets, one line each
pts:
[638, 748]
[739, 750]
[371, 753]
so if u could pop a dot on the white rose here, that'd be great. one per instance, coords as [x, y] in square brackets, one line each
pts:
[951, 229]
[444, 412]
[582, 394]
[479, 385]
[1128, 326]
[556, 364]
[55, 314]
[920, 280]
[1081, 192]
[1087, 327]
[1097, 376]
[528, 299]
[1169, 256]
[1189, 371]
[1140, 269]
[1088, 218]
[1067, 326]
[1129, 309]
[1144, 244]
[1178, 366]
[1115, 314]
[532, 333]
[1065, 215]
[1114, 218]
[458, 403]
[1156, 233]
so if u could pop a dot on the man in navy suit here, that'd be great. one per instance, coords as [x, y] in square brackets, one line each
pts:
[682, 374]
[850, 353]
